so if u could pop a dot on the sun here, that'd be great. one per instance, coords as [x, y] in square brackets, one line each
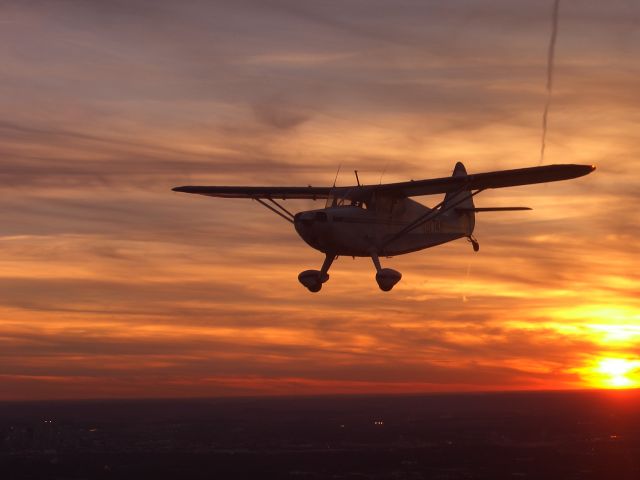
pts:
[616, 373]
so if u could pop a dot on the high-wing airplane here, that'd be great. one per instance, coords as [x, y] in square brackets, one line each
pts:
[382, 220]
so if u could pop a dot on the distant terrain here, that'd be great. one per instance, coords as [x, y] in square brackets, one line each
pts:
[564, 435]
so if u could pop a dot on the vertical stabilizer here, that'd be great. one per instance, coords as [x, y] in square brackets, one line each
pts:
[461, 200]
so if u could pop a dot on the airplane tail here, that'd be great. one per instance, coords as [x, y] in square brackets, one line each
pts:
[463, 211]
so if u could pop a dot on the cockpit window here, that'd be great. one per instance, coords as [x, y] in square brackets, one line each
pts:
[341, 201]
[334, 201]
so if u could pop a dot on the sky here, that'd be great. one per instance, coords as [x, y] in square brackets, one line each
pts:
[112, 285]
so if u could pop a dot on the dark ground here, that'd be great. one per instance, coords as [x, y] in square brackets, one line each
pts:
[577, 435]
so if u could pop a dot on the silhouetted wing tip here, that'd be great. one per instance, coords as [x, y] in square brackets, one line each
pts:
[495, 179]
[257, 192]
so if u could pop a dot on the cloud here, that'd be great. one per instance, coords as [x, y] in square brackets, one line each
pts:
[275, 115]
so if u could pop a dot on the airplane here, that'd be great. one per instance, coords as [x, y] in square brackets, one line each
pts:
[383, 220]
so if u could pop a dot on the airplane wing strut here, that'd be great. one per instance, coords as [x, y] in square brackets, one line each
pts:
[287, 215]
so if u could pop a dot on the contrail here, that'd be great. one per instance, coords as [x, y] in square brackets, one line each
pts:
[466, 283]
[550, 56]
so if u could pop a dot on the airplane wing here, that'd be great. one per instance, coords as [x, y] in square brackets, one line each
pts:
[480, 181]
[280, 193]
[477, 181]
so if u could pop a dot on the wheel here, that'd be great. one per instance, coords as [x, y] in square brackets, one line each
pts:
[312, 280]
[387, 278]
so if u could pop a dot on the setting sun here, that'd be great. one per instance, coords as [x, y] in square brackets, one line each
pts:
[617, 373]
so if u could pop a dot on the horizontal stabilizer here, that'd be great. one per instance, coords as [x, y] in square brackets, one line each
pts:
[491, 209]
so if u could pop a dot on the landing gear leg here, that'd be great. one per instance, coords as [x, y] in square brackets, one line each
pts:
[386, 277]
[474, 243]
[376, 262]
[313, 279]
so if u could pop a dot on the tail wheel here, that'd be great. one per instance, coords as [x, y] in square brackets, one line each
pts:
[474, 243]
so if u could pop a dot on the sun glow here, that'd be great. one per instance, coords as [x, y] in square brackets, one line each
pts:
[603, 324]
[616, 373]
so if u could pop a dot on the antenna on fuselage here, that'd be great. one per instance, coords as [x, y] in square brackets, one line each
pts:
[357, 179]
[383, 172]
[337, 173]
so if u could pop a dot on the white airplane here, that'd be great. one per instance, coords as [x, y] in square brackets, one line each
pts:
[382, 220]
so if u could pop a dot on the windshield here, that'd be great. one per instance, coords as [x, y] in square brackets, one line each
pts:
[341, 201]
[334, 201]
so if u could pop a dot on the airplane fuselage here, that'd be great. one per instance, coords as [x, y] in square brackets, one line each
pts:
[357, 231]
